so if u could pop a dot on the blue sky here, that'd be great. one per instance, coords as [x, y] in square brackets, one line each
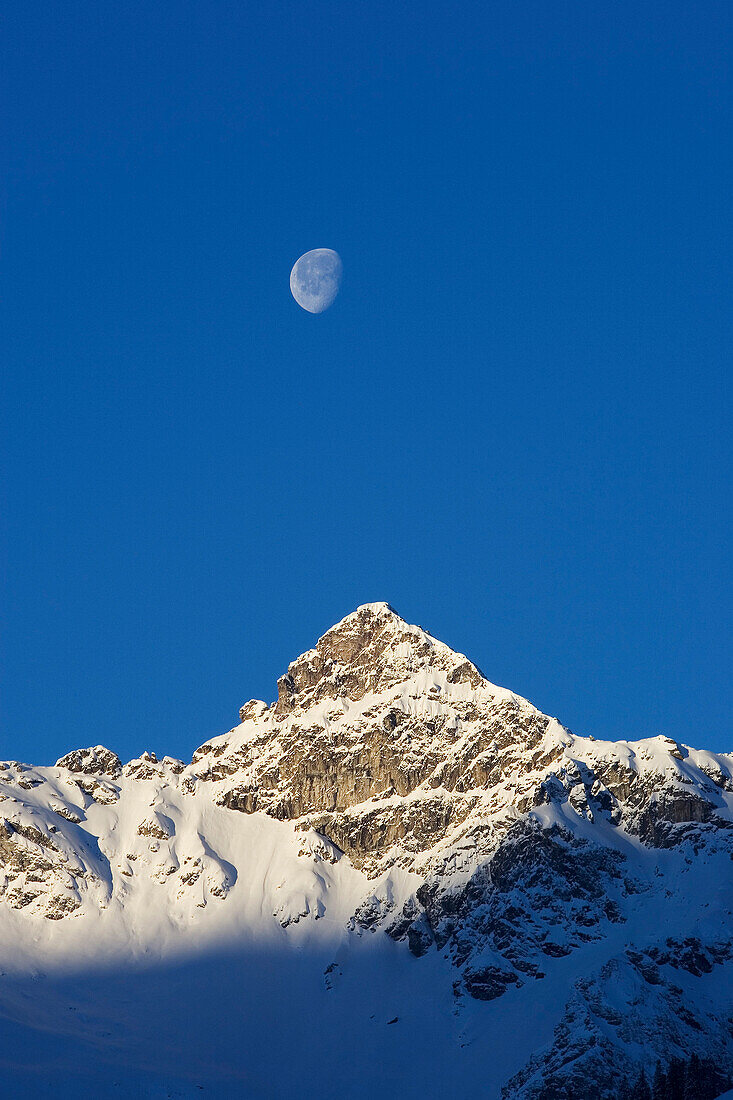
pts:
[513, 424]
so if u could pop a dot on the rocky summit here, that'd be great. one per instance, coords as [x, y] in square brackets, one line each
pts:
[446, 876]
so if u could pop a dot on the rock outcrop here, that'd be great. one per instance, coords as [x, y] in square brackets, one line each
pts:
[96, 760]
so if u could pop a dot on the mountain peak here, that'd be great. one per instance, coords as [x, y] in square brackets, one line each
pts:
[369, 650]
[397, 794]
[381, 607]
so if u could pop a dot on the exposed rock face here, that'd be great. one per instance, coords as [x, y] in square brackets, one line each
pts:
[367, 653]
[381, 719]
[33, 875]
[633, 1001]
[479, 828]
[542, 893]
[92, 761]
[392, 744]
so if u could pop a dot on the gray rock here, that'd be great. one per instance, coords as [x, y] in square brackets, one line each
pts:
[96, 760]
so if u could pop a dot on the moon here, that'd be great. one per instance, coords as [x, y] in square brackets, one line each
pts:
[316, 278]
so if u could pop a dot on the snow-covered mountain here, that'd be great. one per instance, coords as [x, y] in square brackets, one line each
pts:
[397, 875]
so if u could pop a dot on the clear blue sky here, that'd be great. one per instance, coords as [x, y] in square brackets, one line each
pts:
[514, 424]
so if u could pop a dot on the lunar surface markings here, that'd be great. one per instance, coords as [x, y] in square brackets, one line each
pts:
[316, 278]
